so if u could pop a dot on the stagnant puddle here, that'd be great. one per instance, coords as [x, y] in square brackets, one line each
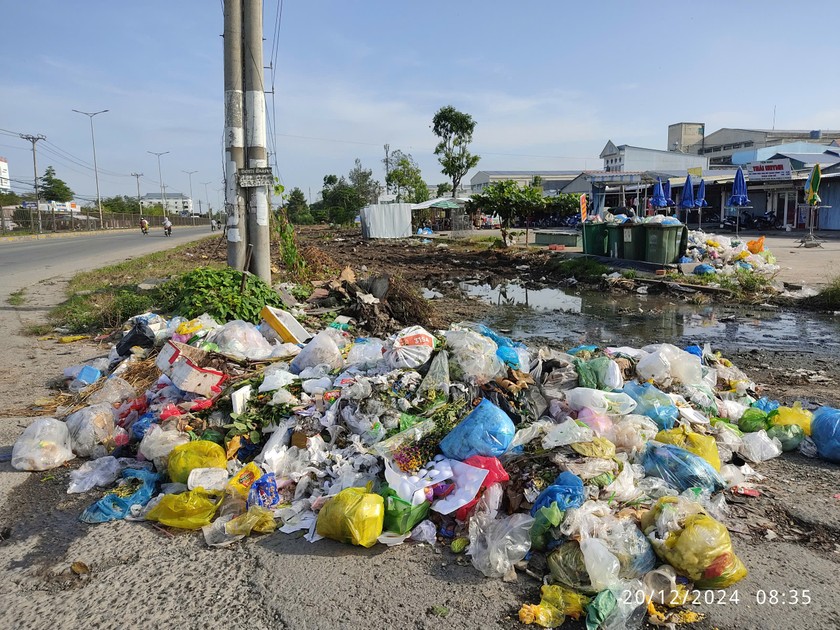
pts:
[605, 318]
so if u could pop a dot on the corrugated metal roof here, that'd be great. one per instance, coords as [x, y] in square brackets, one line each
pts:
[810, 158]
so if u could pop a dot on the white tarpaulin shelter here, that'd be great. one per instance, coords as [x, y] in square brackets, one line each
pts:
[386, 220]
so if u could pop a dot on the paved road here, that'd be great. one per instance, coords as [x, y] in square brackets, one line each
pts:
[24, 263]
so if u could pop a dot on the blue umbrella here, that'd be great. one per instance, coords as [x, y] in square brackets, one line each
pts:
[659, 200]
[700, 199]
[687, 200]
[739, 190]
[666, 190]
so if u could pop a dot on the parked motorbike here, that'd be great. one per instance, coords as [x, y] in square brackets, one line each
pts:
[767, 221]
[746, 221]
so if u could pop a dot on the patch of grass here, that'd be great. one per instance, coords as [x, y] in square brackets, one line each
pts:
[630, 274]
[581, 269]
[36, 330]
[100, 310]
[827, 299]
[17, 298]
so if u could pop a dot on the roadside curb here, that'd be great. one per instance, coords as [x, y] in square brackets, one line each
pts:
[49, 235]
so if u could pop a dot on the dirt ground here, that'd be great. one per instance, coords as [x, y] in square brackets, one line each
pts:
[149, 576]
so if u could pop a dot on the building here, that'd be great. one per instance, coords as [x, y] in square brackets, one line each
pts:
[5, 182]
[722, 144]
[740, 158]
[552, 181]
[629, 158]
[176, 203]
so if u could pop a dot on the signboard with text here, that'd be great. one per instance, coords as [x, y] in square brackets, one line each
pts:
[254, 177]
[768, 170]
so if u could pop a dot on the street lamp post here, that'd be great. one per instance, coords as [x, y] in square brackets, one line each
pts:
[207, 199]
[160, 176]
[192, 213]
[90, 115]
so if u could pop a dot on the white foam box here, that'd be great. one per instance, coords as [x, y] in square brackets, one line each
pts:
[284, 324]
[185, 367]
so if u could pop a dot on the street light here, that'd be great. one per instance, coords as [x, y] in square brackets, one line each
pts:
[207, 199]
[90, 115]
[160, 176]
[190, 173]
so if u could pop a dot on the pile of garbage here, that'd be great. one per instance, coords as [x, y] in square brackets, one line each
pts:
[718, 254]
[602, 471]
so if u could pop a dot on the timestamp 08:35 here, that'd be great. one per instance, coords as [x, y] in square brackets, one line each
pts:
[762, 597]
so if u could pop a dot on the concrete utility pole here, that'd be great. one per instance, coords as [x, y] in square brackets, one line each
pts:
[95, 169]
[137, 176]
[207, 199]
[387, 167]
[190, 174]
[237, 225]
[258, 230]
[160, 176]
[34, 140]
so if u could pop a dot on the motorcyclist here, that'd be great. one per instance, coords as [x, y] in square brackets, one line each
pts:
[167, 226]
[144, 225]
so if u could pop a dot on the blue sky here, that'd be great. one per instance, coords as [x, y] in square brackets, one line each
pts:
[548, 82]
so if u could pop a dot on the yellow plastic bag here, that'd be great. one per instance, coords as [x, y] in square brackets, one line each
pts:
[256, 519]
[756, 246]
[598, 447]
[697, 443]
[354, 515]
[556, 602]
[242, 481]
[794, 415]
[198, 454]
[188, 510]
[700, 549]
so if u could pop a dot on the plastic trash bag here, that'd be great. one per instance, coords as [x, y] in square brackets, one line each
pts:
[43, 445]
[663, 586]
[276, 377]
[97, 472]
[198, 454]
[158, 443]
[90, 427]
[211, 479]
[365, 352]
[794, 415]
[601, 565]
[425, 532]
[354, 516]
[467, 479]
[474, 356]
[241, 340]
[188, 510]
[242, 481]
[597, 447]
[629, 545]
[618, 403]
[565, 433]
[545, 520]
[497, 544]
[825, 432]
[699, 444]
[567, 566]
[556, 602]
[601, 425]
[631, 433]
[790, 436]
[140, 335]
[495, 474]
[114, 390]
[665, 363]
[256, 519]
[759, 447]
[487, 430]
[680, 469]
[413, 346]
[753, 419]
[113, 506]
[693, 543]
[322, 349]
[653, 403]
[436, 382]
[400, 515]
[599, 373]
[567, 491]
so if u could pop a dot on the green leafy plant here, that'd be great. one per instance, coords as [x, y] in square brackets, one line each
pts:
[218, 292]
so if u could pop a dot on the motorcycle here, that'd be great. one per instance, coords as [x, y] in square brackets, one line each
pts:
[768, 221]
[144, 229]
[167, 231]
[746, 221]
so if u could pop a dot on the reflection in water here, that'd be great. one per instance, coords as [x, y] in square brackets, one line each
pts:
[605, 318]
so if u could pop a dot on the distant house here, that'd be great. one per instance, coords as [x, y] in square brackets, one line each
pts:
[176, 203]
[625, 157]
[552, 182]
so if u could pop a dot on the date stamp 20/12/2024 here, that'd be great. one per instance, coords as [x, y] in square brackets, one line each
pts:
[761, 597]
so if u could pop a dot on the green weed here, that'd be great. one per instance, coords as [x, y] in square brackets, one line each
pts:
[827, 299]
[17, 298]
[582, 269]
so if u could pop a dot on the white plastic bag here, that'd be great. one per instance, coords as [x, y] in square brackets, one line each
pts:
[474, 355]
[568, 432]
[114, 390]
[90, 427]
[599, 401]
[425, 532]
[759, 447]
[497, 544]
[366, 353]
[665, 363]
[44, 444]
[601, 564]
[97, 472]
[241, 340]
[208, 478]
[275, 377]
[413, 346]
[158, 442]
[321, 349]
[631, 433]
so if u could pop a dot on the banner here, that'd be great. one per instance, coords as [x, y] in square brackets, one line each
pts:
[768, 170]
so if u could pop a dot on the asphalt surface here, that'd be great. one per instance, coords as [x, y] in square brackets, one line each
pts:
[27, 262]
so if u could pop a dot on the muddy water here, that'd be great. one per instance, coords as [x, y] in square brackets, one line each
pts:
[622, 319]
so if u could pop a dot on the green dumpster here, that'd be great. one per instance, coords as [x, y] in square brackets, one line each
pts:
[615, 241]
[595, 238]
[663, 243]
[626, 240]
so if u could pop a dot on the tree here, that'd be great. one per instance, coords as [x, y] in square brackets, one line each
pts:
[54, 189]
[404, 177]
[121, 205]
[362, 180]
[298, 209]
[455, 130]
[442, 189]
[507, 200]
[9, 199]
[563, 205]
[341, 200]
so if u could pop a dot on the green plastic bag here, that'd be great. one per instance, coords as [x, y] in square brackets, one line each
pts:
[400, 516]
[790, 435]
[545, 518]
[753, 420]
[568, 567]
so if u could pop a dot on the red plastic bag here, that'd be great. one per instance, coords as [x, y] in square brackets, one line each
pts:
[496, 474]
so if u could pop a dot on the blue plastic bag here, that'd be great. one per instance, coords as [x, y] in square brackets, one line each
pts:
[263, 492]
[653, 403]
[704, 269]
[695, 350]
[566, 491]
[487, 430]
[112, 507]
[140, 426]
[578, 349]
[681, 469]
[508, 356]
[825, 431]
[765, 404]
